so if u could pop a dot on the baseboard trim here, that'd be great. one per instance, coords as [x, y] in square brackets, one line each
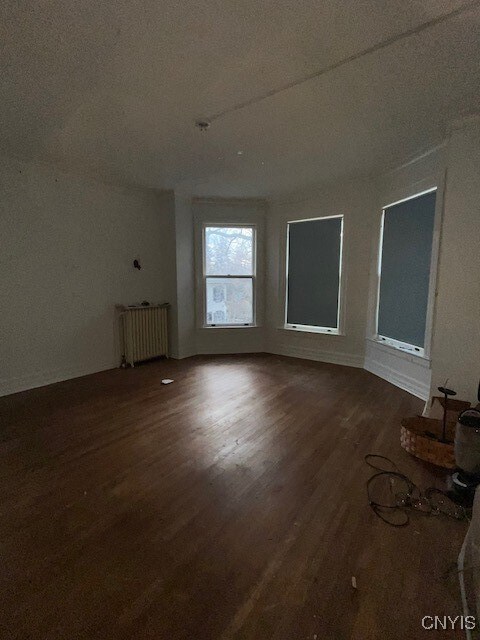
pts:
[226, 351]
[44, 378]
[182, 355]
[345, 359]
[415, 387]
[407, 383]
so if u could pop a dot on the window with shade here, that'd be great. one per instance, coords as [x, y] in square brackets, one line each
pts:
[229, 275]
[404, 272]
[314, 263]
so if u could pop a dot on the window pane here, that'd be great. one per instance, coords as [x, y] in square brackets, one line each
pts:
[229, 301]
[229, 251]
[405, 269]
[314, 272]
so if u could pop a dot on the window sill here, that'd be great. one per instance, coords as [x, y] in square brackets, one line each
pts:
[406, 354]
[316, 330]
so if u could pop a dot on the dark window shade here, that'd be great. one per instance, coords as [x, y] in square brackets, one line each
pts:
[313, 272]
[405, 269]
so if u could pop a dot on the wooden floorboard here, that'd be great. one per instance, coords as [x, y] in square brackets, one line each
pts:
[230, 504]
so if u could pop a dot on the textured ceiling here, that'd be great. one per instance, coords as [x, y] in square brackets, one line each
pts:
[114, 88]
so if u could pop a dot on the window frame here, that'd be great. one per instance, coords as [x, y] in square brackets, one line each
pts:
[340, 305]
[253, 277]
[415, 350]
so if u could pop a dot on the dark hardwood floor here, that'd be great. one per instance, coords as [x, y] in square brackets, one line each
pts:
[228, 505]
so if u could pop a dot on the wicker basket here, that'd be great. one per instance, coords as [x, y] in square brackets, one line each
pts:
[414, 439]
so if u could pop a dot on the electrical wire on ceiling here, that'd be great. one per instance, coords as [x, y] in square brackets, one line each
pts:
[204, 123]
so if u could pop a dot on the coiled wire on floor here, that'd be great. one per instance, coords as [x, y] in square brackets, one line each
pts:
[392, 495]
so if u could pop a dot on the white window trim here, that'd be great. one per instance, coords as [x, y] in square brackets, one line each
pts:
[307, 328]
[338, 330]
[401, 346]
[411, 349]
[252, 277]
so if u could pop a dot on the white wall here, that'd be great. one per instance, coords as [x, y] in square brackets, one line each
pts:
[67, 246]
[238, 339]
[410, 372]
[356, 202]
[456, 337]
[184, 345]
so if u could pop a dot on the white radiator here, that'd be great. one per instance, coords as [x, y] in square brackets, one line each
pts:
[143, 332]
